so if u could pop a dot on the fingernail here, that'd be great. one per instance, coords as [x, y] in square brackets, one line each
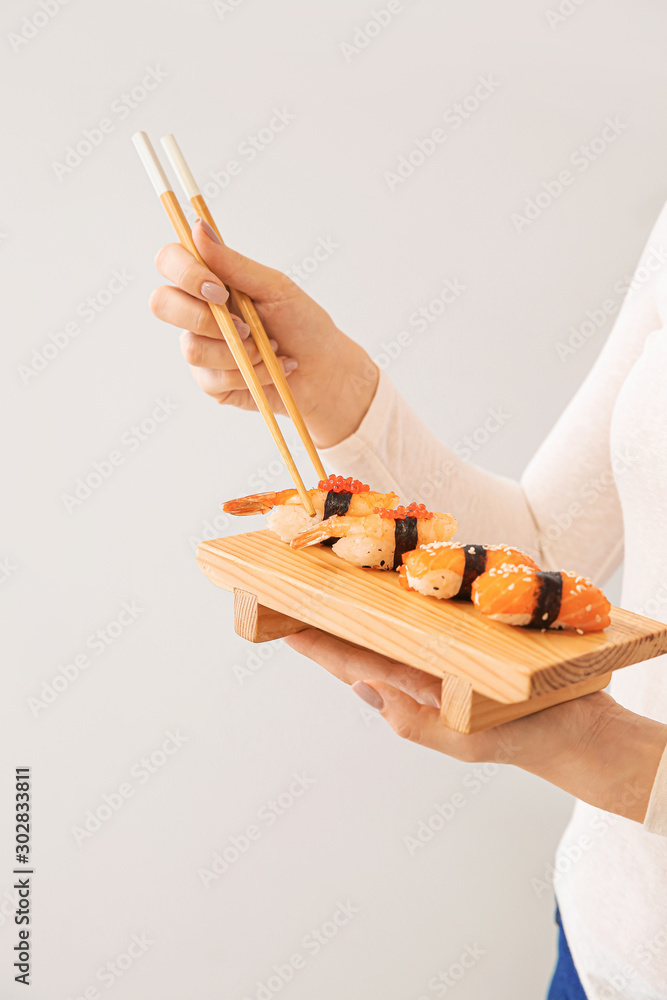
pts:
[214, 293]
[369, 695]
[274, 344]
[242, 328]
[211, 233]
[289, 364]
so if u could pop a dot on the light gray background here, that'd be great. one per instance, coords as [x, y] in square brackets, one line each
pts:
[133, 539]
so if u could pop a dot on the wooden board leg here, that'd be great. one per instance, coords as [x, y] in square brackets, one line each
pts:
[254, 622]
[467, 711]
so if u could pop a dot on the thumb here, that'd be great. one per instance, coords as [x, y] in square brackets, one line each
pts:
[256, 280]
[408, 718]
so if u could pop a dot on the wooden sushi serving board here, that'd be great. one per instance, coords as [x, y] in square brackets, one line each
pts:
[491, 673]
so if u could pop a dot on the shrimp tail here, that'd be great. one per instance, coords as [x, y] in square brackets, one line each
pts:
[332, 527]
[256, 503]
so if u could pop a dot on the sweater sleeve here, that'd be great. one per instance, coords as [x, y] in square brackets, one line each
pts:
[565, 511]
[393, 450]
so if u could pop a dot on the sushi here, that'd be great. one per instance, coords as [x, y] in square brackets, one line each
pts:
[448, 569]
[333, 496]
[379, 540]
[522, 595]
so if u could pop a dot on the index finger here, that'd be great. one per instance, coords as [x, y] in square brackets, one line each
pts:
[177, 264]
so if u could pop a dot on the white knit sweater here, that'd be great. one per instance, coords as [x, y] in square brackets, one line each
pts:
[595, 493]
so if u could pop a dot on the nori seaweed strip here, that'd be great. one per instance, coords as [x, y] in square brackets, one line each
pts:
[405, 537]
[474, 566]
[549, 596]
[335, 503]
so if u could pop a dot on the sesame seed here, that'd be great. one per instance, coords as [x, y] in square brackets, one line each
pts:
[580, 631]
[545, 616]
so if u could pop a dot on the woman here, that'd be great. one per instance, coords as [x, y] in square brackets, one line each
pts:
[597, 485]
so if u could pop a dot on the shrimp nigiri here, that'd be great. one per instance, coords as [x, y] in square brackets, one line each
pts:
[379, 540]
[448, 569]
[334, 495]
[522, 595]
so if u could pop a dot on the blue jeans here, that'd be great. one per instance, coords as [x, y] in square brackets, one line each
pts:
[565, 984]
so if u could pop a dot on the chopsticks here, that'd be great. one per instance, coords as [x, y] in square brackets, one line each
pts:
[229, 332]
[245, 303]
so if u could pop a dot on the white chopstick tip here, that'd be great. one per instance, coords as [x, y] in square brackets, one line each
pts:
[181, 169]
[150, 161]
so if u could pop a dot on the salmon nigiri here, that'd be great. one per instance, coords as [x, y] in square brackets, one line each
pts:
[522, 595]
[449, 569]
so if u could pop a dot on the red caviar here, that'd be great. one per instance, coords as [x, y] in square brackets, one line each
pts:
[336, 484]
[417, 510]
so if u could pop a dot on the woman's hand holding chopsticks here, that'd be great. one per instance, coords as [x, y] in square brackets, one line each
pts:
[332, 378]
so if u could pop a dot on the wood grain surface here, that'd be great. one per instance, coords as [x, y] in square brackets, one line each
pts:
[504, 664]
